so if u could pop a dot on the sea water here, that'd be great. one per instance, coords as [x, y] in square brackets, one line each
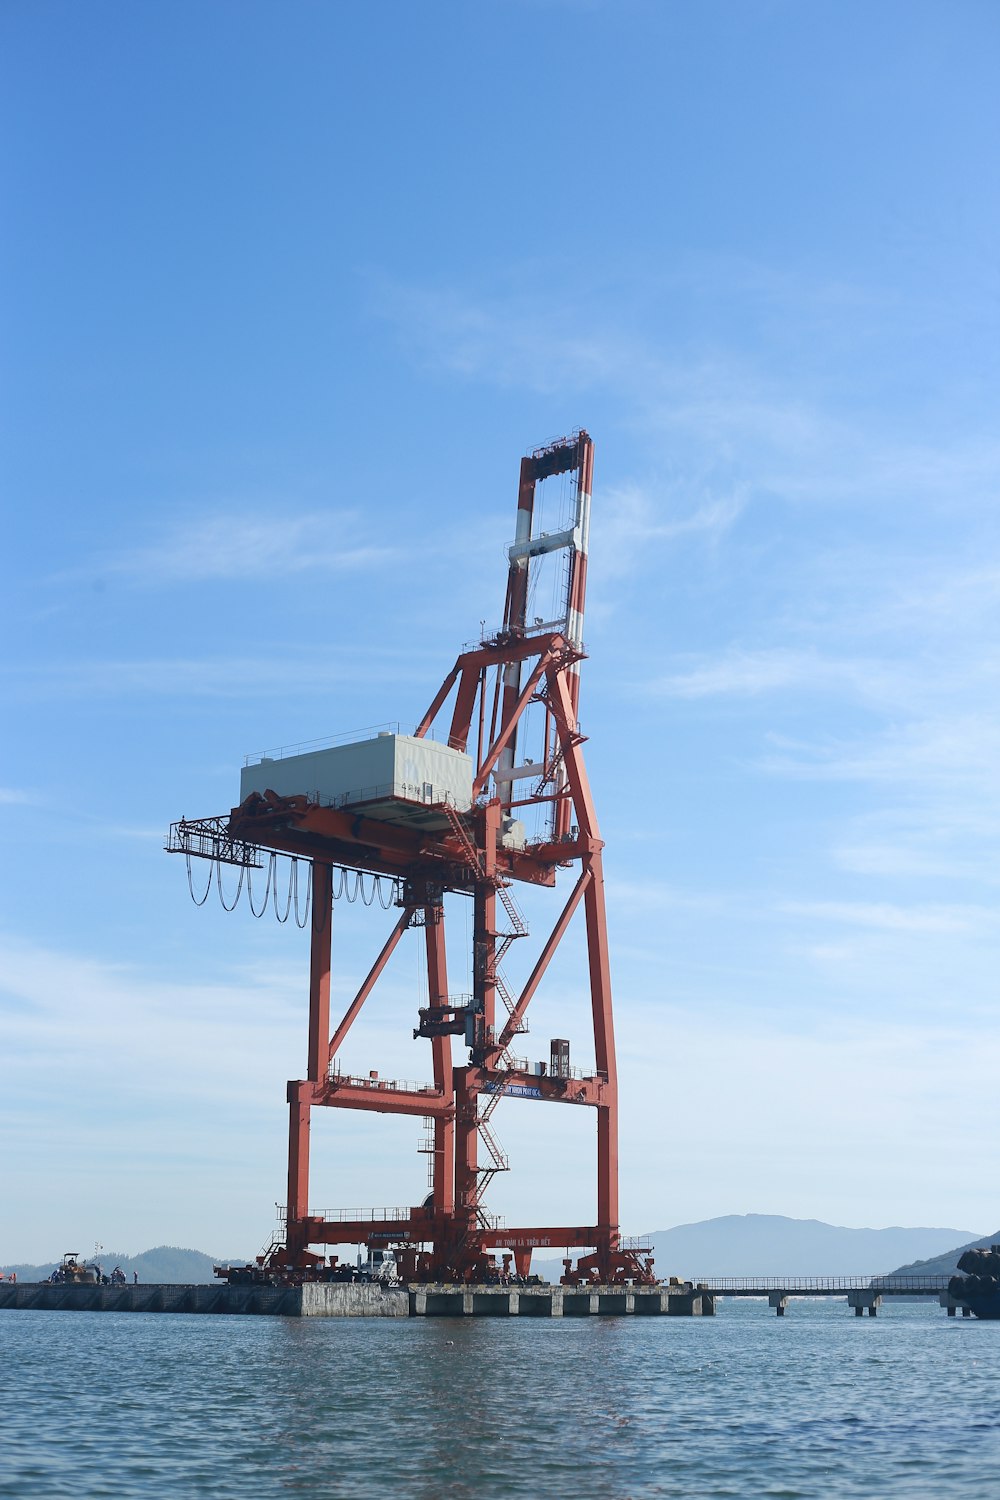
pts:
[818, 1403]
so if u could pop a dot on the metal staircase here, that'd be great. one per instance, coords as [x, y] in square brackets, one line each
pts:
[518, 926]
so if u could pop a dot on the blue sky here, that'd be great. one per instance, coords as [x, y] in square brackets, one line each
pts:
[288, 291]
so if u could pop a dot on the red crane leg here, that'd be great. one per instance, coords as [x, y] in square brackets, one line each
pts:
[604, 1048]
[484, 974]
[298, 1172]
[319, 971]
[444, 1128]
[318, 1060]
[466, 1150]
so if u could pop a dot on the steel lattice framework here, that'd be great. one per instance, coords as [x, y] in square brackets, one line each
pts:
[489, 690]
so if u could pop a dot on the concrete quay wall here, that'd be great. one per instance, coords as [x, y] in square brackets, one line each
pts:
[437, 1301]
[316, 1300]
[362, 1300]
[153, 1298]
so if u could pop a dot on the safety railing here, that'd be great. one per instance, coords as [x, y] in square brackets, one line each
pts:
[823, 1283]
[209, 838]
[325, 742]
[489, 1221]
[391, 1085]
[362, 1215]
[522, 1066]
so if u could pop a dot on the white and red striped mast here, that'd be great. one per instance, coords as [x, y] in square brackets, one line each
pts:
[570, 455]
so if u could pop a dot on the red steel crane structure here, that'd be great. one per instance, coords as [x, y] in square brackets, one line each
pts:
[430, 844]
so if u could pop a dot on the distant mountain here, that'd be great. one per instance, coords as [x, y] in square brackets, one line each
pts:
[166, 1263]
[947, 1264]
[771, 1245]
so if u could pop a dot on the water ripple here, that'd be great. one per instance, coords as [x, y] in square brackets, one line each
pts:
[817, 1404]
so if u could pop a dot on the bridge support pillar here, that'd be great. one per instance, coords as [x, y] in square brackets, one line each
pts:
[860, 1300]
[778, 1301]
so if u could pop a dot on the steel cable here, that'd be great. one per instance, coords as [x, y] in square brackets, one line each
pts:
[239, 888]
[271, 873]
[274, 896]
[383, 888]
[208, 887]
[305, 916]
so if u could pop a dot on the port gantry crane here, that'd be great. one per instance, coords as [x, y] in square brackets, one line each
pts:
[442, 819]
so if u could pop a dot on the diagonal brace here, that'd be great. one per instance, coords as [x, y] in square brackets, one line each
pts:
[552, 942]
[350, 1016]
[499, 744]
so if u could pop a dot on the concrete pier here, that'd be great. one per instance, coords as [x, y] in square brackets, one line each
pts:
[443, 1301]
[366, 1300]
[861, 1300]
[316, 1300]
[862, 1292]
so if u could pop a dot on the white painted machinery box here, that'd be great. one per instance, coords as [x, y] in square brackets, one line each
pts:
[395, 777]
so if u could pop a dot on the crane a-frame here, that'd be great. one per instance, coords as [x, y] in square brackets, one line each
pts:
[456, 830]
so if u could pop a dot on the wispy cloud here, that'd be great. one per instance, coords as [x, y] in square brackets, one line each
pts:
[853, 1110]
[886, 917]
[950, 753]
[12, 796]
[50, 999]
[951, 837]
[775, 424]
[505, 340]
[632, 896]
[634, 517]
[741, 672]
[234, 545]
[275, 673]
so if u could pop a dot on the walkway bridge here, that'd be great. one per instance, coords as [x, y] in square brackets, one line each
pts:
[861, 1292]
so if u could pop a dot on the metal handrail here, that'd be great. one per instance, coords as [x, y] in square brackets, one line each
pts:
[364, 1215]
[823, 1283]
[522, 1065]
[392, 1085]
[325, 742]
[209, 838]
